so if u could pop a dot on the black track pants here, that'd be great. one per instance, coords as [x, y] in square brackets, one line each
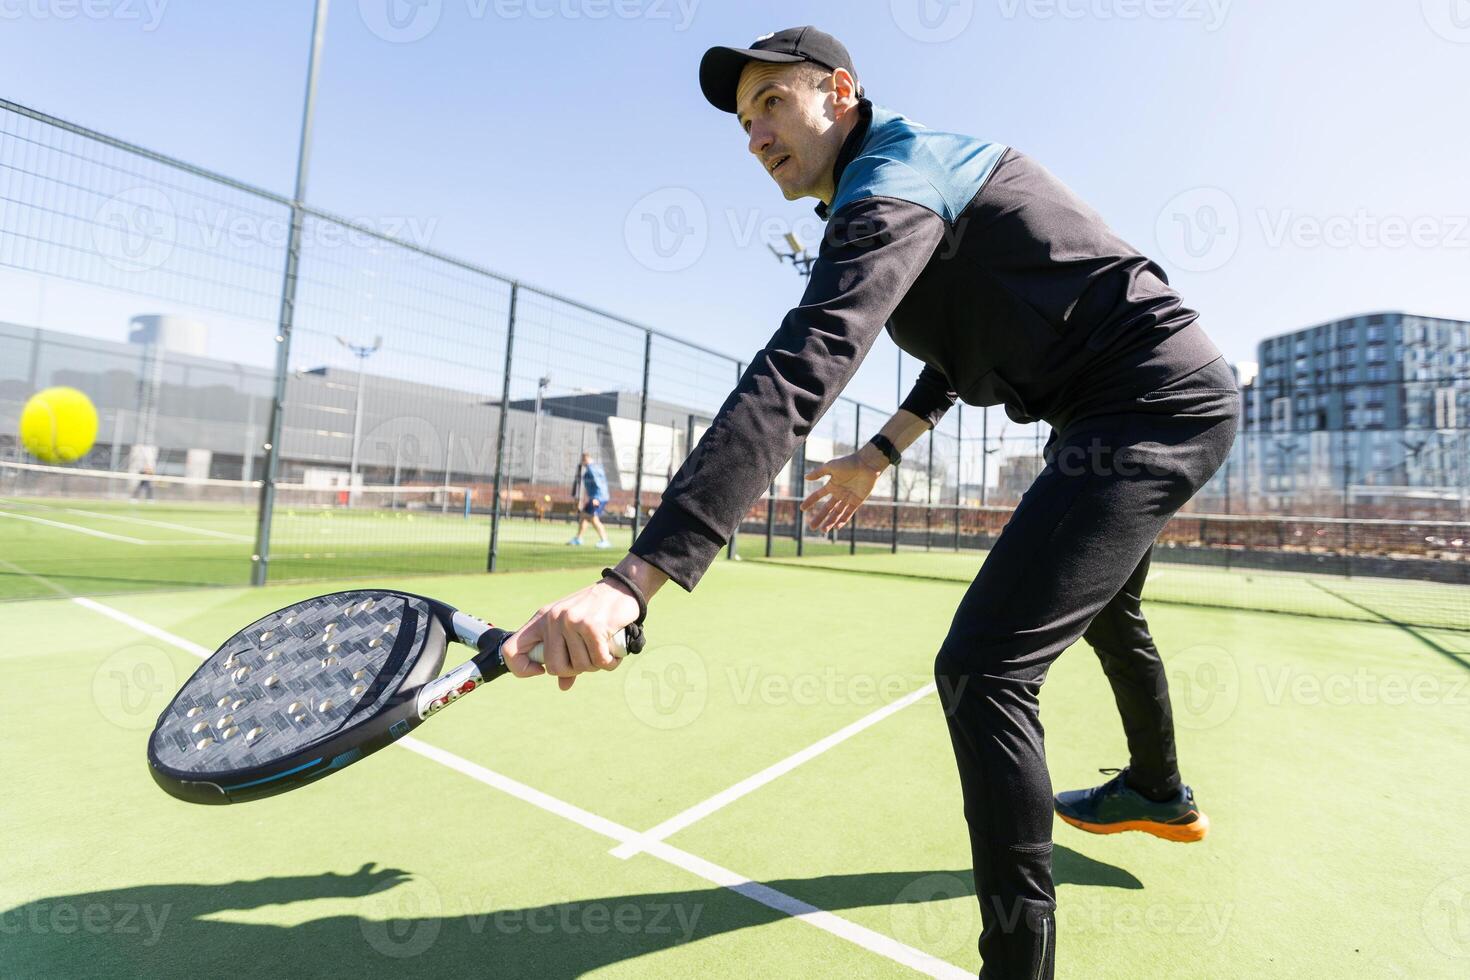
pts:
[1119, 636]
[1079, 534]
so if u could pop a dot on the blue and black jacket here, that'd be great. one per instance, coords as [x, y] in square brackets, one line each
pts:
[978, 262]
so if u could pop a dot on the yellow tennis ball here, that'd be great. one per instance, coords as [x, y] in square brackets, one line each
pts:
[58, 425]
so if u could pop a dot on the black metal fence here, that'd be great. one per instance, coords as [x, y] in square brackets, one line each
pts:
[370, 405]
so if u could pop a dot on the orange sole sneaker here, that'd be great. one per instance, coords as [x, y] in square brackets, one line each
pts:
[1183, 833]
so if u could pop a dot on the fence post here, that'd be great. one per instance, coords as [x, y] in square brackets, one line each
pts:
[985, 452]
[770, 517]
[1245, 464]
[857, 444]
[798, 518]
[893, 545]
[730, 550]
[929, 498]
[642, 435]
[510, 335]
[959, 468]
[259, 569]
[1347, 504]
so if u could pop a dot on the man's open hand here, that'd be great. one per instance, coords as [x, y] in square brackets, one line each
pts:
[850, 480]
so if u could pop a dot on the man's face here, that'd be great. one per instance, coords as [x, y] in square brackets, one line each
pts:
[793, 126]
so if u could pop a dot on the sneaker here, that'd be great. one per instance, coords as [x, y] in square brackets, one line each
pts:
[575, 542]
[1115, 807]
[604, 544]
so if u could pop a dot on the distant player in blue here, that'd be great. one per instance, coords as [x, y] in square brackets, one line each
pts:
[590, 486]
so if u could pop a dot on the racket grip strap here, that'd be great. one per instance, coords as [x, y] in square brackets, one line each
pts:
[634, 630]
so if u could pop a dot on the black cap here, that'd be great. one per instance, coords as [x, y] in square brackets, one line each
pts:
[719, 71]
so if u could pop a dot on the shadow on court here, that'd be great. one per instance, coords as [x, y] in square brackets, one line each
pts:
[410, 927]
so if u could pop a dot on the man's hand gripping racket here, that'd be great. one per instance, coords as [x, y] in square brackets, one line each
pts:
[314, 687]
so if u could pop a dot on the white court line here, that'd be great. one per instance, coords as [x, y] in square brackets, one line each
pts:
[771, 898]
[165, 524]
[873, 942]
[35, 578]
[750, 784]
[74, 527]
[137, 520]
[145, 628]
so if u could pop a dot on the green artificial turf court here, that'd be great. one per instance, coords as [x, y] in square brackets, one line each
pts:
[1433, 605]
[90, 547]
[1331, 756]
[63, 546]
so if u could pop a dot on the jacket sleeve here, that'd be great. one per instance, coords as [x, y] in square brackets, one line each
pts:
[931, 396]
[871, 253]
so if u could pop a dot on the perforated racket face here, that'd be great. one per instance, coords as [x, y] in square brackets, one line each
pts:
[292, 679]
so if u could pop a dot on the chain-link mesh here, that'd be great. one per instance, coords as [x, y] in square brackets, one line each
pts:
[154, 289]
[437, 417]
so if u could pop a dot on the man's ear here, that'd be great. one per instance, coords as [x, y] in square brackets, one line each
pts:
[845, 88]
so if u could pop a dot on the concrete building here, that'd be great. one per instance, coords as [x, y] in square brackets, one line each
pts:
[1367, 414]
[202, 417]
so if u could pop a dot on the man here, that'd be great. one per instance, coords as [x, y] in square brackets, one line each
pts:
[590, 486]
[1012, 292]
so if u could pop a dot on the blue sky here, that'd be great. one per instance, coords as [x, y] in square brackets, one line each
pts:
[1286, 162]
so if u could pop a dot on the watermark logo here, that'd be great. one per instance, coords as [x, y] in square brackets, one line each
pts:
[1199, 230]
[1450, 19]
[667, 230]
[220, 228]
[402, 918]
[932, 21]
[1287, 685]
[1446, 916]
[148, 14]
[666, 688]
[136, 231]
[674, 922]
[917, 918]
[400, 21]
[1204, 682]
[1206, 923]
[70, 918]
[830, 686]
[406, 21]
[133, 686]
[1210, 13]
[1363, 229]
[408, 446]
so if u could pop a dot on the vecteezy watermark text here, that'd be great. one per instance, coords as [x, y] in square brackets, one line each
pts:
[66, 918]
[147, 13]
[1210, 13]
[406, 21]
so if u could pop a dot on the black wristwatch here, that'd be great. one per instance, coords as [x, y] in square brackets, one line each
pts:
[887, 448]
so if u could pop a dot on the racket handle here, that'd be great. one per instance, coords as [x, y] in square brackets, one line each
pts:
[618, 643]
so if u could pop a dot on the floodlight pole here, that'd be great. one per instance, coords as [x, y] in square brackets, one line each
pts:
[362, 352]
[260, 560]
[542, 384]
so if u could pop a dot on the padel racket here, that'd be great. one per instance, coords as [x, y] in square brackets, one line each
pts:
[310, 689]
